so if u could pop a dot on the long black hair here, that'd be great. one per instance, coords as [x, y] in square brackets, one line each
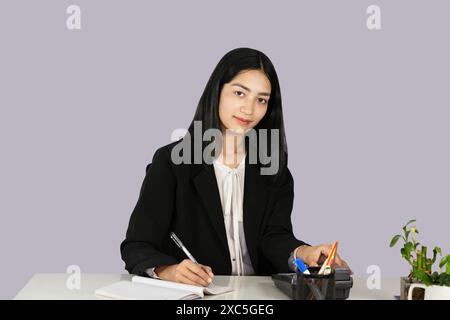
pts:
[234, 62]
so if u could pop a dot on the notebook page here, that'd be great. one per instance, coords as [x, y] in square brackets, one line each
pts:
[169, 284]
[211, 289]
[138, 291]
[215, 289]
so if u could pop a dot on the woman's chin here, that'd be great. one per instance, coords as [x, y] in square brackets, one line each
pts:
[239, 130]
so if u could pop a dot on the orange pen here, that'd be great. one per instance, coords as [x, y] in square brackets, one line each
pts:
[330, 259]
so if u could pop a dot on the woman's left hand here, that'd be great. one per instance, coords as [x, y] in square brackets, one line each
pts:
[315, 255]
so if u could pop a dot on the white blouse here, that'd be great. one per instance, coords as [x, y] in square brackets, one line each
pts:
[231, 188]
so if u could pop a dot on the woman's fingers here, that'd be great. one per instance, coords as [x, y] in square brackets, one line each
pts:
[338, 260]
[325, 249]
[195, 272]
[199, 272]
[313, 264]
[341, 263]
[184, 273]
[182, 278]
[196, 278]
[208, 270]
[323, 252]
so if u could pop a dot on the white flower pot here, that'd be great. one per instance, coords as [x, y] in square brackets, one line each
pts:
[431, 292]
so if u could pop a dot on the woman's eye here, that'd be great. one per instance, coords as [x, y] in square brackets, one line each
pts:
[238, 93]
[262, 100]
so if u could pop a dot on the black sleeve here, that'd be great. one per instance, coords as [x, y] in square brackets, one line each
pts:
[278, 240]
[150, 220]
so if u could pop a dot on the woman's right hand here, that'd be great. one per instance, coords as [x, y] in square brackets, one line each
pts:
[186, 272]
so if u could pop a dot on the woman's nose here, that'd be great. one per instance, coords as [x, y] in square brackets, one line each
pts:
[247, 109]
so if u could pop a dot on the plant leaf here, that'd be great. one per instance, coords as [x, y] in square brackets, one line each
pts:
[410, 221]
[409, 247]
[403, 252]
[444, 260]
[444, 279]
[394, 240]
[436, 250]
[423, 277]
[435, 277]
[447, 264]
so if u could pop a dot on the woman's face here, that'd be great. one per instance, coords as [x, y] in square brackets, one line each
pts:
[244, 101]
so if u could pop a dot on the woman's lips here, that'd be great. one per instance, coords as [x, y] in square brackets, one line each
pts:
[242, 121]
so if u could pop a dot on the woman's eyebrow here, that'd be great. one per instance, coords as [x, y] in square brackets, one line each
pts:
[245, 88]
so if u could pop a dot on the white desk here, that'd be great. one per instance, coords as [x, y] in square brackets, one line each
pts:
[45, 286]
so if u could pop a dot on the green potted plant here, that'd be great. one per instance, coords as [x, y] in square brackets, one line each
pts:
[421, 266]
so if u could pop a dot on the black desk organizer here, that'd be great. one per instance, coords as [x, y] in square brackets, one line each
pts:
[299, 286]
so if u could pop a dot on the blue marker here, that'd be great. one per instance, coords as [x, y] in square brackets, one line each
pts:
[301, 266]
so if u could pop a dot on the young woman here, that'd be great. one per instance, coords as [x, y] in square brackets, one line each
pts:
[232, 218]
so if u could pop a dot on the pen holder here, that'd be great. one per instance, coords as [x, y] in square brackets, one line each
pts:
[314, 286]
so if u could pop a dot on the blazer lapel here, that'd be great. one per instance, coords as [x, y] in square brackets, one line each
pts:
[206, 185]
[255, 196]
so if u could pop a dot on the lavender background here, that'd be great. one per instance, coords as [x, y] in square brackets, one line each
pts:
[82, 112]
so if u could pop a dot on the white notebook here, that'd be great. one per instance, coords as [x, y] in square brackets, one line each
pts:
[142, 288]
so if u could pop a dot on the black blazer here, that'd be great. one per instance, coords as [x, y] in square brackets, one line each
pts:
[185, 199]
